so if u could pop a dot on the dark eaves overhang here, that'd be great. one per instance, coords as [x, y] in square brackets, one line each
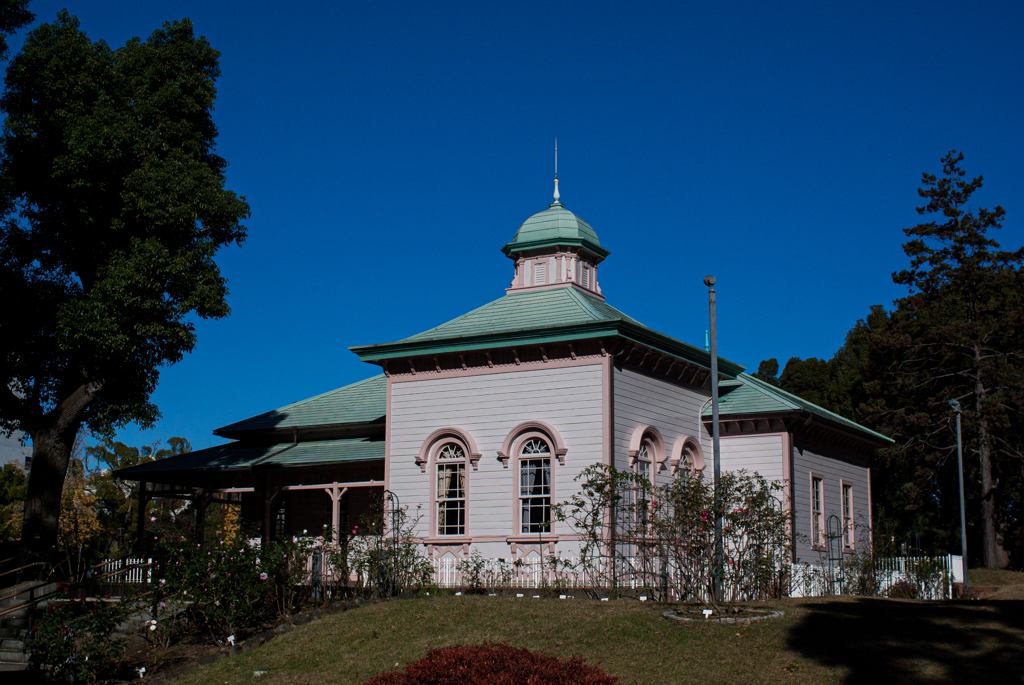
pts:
[375, 354]
[527, 246]
[326, 431]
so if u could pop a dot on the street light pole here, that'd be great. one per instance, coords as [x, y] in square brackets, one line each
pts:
[960, 464]
[709, 281]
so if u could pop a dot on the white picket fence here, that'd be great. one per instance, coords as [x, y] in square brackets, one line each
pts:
[811, 580]
[806, 580]
[136, 571]
[535, 573]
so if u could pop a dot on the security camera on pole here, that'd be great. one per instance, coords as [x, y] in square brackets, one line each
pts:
[709, 281]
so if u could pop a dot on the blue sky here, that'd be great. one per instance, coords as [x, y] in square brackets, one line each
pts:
[390, 149]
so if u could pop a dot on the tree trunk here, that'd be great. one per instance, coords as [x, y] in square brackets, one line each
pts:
[52, 441]
[992, 553]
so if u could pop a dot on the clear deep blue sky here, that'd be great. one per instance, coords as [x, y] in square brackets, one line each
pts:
[389, 150]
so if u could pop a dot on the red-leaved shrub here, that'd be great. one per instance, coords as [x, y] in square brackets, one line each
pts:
[493, 664]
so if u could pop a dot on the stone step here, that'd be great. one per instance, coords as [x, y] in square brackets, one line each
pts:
[9, 656]
[13, 624]
[11, 643]
[13, 667]
[24, 592]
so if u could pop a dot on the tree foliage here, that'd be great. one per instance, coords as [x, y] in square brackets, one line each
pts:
[14, 15]
[116, 208]
[12, 501]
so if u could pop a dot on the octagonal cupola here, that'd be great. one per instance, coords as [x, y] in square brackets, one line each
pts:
[555, 248]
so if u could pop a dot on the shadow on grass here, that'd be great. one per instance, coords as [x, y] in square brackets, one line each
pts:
[915, 642]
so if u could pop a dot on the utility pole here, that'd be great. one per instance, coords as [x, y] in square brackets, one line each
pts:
[960, 464]
[709, 281]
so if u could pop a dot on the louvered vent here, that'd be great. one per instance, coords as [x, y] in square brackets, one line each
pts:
[540, 273]
[586, 277]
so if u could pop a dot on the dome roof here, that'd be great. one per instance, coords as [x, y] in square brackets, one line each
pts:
[555, 226]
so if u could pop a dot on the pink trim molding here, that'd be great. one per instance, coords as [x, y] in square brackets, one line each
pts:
[687, 450]
[540, 426]
[653, 435]
[607, 408]
[387, 437]
[459, 435]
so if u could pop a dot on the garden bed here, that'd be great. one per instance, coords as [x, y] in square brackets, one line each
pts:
[741, 615]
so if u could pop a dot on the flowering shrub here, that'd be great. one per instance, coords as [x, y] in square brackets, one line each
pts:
[382, 555]
[664, 539]
[472, 570]
[231, 588]
[75, 641]
[214, 590]
[493, 664]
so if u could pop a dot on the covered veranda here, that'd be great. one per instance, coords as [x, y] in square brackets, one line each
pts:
[281, 489]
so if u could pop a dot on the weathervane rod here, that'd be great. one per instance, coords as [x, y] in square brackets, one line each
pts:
[556, 172]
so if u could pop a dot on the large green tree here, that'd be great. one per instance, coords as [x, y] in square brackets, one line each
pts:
[957, 335]
[116, 208]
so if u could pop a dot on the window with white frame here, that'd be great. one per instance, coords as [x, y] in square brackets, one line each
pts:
[817, 511]
[451, 490]
[643, 467]
[847, 515]
[535, 486]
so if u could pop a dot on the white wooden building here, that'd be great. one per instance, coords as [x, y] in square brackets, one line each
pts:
[479, 425]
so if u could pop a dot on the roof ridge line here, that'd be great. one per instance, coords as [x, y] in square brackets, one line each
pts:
[297, 402]
[457, 318]
[765, 389]
[323, 394]
[586, 306]
[785, 394]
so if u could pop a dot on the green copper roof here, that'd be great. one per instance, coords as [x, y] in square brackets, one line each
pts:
[555, 226]
[537, 317]
[750, 395]
[236, 456]
[362, 402]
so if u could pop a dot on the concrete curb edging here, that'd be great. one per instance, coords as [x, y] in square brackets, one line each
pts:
[768, 615]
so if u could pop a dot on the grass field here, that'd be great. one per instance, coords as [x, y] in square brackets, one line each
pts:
[994, 576]
[836, 640]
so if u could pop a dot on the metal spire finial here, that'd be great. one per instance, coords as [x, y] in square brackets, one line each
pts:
[556, 173]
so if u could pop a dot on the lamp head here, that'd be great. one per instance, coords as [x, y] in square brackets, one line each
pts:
[709, 281]
[955, 405]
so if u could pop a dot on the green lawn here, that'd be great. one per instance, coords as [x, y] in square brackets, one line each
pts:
[837, 640]
[994, 576]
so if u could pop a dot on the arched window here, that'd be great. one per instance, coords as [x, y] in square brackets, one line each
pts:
[535, 485]
[450, 459]
[687, 454]
[642, 465]
[647, 452]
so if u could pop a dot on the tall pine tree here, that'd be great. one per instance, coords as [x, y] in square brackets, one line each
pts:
[958, 335]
